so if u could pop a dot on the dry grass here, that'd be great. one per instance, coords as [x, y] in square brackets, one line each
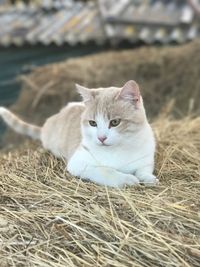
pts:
[49, 219]
[163, 73]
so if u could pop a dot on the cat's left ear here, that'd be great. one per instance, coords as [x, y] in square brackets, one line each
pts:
[130, 92]
[84, 92]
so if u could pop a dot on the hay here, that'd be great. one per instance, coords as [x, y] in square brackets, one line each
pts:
[163, 73]
[49, 218]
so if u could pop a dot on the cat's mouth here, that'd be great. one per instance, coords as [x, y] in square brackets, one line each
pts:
[103, 144]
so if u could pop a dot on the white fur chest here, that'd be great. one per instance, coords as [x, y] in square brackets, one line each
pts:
[127, 158]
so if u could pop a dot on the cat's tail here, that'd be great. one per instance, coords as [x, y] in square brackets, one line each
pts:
[18, 125]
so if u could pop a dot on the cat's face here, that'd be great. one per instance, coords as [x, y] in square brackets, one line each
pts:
[112, 114]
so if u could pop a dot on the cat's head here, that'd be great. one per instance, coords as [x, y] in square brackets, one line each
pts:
[112, 114]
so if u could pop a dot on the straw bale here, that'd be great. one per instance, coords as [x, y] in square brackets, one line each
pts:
[49, 218]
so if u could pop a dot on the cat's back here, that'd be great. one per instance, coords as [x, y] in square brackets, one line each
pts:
[61, 133]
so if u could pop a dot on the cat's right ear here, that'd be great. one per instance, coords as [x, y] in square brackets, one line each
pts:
[131, 92]
[84, 92]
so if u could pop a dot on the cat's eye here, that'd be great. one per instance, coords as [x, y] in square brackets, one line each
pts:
[93, 123]
[114, 123]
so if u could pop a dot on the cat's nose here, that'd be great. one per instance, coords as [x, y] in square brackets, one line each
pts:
[102, 138]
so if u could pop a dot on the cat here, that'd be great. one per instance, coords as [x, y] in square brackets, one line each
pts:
[106, 138]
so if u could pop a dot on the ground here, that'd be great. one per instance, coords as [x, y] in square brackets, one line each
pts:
[49, 218]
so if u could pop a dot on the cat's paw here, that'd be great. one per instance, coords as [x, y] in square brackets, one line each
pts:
[120, 180]
[130, 179]
[148, 179]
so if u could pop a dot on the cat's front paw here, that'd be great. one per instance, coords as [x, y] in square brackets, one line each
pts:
[148, 179]
[151, 180]
[130, 179]
[120, 180]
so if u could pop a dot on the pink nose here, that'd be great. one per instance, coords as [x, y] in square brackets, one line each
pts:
[102, 138]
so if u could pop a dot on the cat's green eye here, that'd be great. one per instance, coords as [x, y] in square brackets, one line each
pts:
[93, 123]
[114, 123]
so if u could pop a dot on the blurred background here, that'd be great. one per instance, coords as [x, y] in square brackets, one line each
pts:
[48, 46]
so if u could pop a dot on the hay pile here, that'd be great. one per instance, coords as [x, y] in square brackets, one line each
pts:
[164, 73]
[51, 219]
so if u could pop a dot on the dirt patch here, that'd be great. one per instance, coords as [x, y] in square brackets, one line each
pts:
[49, 218]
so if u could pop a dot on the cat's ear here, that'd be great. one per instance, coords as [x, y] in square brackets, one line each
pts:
[84, 92]
[130, 92]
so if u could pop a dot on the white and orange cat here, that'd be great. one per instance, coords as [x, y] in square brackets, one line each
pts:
[105, 139]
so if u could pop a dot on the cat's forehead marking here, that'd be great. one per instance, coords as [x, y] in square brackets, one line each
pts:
[101, 120]
[105, 103]
[102, 112]
[109, 109]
